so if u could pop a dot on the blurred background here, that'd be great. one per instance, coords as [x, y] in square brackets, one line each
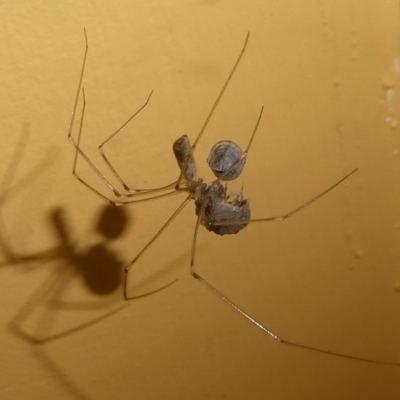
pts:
[327, 73]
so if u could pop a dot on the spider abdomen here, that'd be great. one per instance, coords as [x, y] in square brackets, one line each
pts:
[222, 159]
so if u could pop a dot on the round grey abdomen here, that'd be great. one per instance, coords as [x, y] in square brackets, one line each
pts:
[222, 157]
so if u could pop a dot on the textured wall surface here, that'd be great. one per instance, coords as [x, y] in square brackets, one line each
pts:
[327, 72]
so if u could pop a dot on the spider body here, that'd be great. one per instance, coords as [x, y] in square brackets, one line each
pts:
[227, 162]
[217, 210]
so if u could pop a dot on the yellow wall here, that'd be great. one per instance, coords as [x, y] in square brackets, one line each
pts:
[327, 72]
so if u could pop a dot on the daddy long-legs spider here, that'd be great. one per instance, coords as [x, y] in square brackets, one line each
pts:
[218, 210]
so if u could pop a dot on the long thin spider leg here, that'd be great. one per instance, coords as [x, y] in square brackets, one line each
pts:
[278, 338]
[79, 151]
[86, 158]
[146, 294]
[121, 203]
[296, 210]
[145, 248]
[250, 141]
[212, 288]
[213, 108]
[78, 142]
[113, 170]
[253, 320]
[71, 123]
[222, 91]
[97, 171]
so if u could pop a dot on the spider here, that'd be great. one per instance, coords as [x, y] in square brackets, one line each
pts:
[218, 210]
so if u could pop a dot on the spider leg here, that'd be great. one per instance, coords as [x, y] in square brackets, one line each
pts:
[213, 108]
[121, 203]
[112, 169]
[126, 197]
[145, 248]
[255, 321]
[296, 210]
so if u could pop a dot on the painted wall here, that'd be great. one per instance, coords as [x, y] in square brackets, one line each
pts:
[327, 73]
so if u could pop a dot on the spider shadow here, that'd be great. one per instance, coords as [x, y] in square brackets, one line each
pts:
[97, 267]
[50, 313]
[97, 270]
